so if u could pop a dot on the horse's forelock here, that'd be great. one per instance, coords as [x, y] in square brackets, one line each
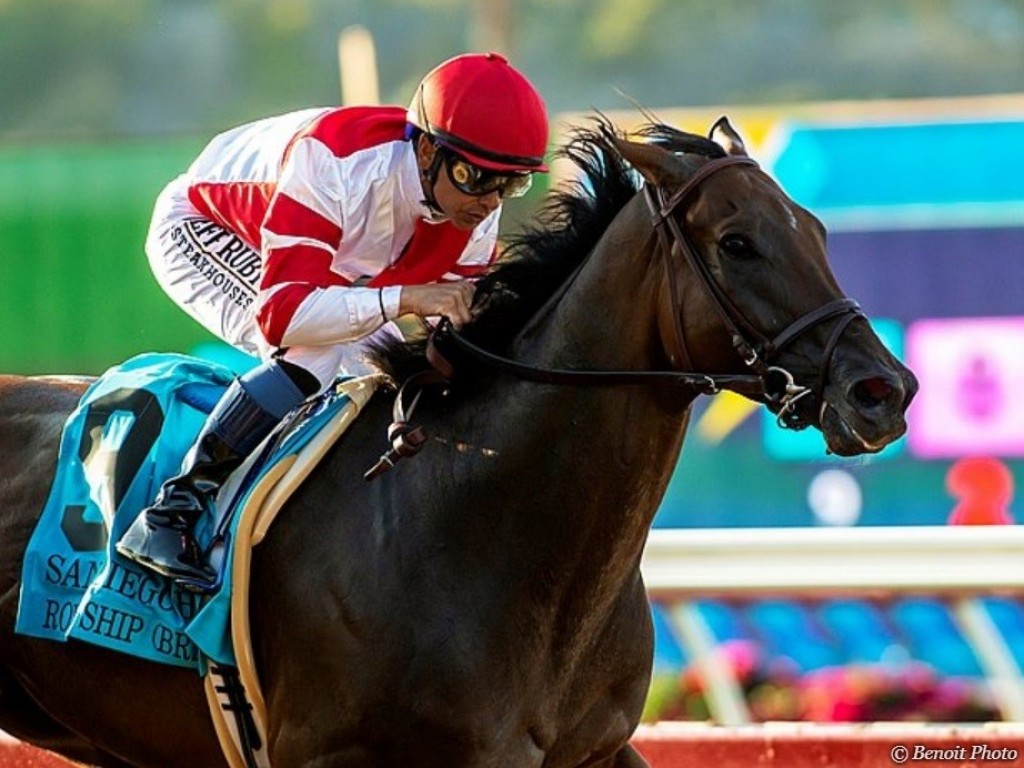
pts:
[538, 260]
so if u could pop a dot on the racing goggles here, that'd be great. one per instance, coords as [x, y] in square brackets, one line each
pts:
[476, 181]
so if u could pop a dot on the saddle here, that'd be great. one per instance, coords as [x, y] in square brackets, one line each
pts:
[115, 452]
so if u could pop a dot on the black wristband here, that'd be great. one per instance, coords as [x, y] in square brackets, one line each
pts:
[380, 300]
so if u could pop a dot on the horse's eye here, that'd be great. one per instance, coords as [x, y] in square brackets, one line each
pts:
[737, 246]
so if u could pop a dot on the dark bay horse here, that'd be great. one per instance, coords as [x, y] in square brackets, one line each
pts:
[481, 604]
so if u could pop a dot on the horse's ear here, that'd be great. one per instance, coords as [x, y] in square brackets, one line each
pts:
[658, 166]
[723, 134]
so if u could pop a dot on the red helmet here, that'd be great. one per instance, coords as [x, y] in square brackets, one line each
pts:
[480, 106]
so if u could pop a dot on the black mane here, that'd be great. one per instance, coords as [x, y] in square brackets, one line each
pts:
[536, 262]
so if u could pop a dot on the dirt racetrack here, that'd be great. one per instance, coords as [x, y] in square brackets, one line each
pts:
[775, 745]
[14, 754]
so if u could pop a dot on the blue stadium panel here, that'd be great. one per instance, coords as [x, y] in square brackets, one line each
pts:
[723, 620]
[788, 629]
[860, 629]
[933, 638]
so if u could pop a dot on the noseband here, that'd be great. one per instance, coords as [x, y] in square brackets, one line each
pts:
[772, 383]
[755, 348]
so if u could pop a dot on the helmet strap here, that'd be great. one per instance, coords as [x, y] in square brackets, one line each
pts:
[428, 178]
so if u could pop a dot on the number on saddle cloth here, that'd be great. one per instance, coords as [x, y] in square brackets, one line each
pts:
[128, 434]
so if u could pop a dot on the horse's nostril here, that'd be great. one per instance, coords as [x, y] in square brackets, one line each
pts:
[872, 392]
[910, 385]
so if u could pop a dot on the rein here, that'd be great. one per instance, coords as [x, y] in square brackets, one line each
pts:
[704, 383]
[774, 384]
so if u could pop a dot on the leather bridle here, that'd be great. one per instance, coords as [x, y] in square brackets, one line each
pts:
[773, 384]
[757, 350]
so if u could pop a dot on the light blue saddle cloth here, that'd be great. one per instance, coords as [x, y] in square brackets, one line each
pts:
[129, 433]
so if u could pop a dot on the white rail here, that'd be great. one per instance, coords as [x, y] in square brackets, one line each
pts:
[959, 563]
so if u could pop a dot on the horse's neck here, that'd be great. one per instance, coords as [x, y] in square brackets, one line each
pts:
[599, 458]
[605, 319]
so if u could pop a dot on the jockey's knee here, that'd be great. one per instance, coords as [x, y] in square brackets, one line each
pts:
[320, 363]
[304, 379]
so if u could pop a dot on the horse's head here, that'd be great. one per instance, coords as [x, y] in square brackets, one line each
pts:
[747, 264]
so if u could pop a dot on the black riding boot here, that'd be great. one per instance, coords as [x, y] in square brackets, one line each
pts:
[162, 538]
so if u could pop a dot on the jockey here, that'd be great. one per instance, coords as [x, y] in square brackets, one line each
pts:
[299, 238]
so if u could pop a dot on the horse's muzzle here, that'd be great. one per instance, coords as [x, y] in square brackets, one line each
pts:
[867, 414]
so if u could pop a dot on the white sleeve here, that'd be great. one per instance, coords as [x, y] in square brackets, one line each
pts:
[339, 314]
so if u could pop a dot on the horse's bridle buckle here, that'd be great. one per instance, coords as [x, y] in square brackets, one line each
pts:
[785, 396]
